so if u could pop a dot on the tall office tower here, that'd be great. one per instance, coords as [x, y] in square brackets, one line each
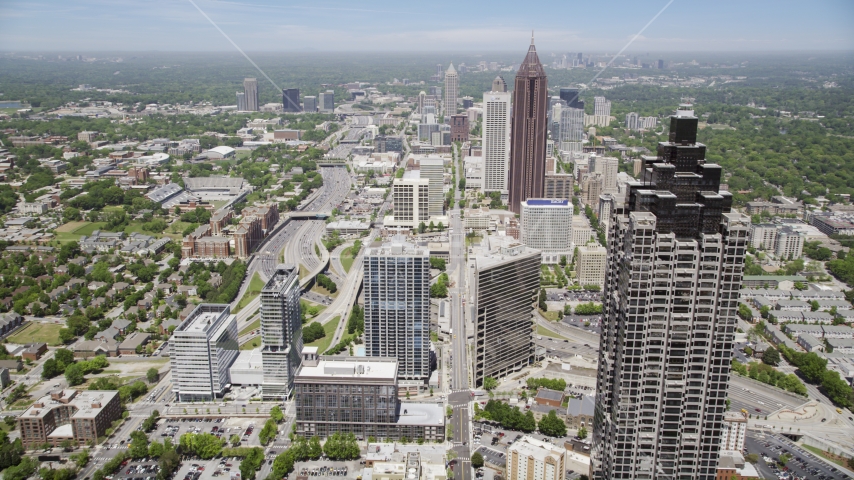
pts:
[528, 140]
[309, 103]
[434, 90]
[326, 101]
[571, 129]
[609, 168]
[506, 282]
[572, 97]
[496, 139]
[452, 90]
[422, 97]
[411, 198]
[632, 121]
[601, 106]
[250, 88]
[290, 100]
[433, 169]
[675, 261]
[241, 102]
[546, 224]
[281, 332]
[397, 306]
[439, 69]
[499, 85]
[460, 128]
[201, 350]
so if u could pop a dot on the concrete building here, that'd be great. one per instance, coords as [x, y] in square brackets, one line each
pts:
[675, 260]
[533, 459]
[397, 306]
[582, 232]
[591, 189]
[452, 91]
[734, 431]
[571, 129]
[601, 107]
[460, 128]
[546, 225]
[591, 264]
[781, 240]
[201, 350]
[411, 197]
[250, 89]
[496, 140]
[433, 169]
[309, 104]
[608, 167]
[81, 417]
[505, 279]
[359, 395]
[326, 101]
[281, 332]
[558, 185]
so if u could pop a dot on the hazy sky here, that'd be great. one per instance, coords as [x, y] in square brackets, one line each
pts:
[436, 25]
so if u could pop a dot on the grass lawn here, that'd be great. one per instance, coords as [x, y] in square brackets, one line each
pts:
[548, 333]
[218, 203]
[250, 327]
[303, 272]
[318, 289]
[828, 456]
[179, 228]
[551, 315]
[255, 287]
[89, 228]
[317, 309]
[36, 332]
[322, 344]
[72, 231]
[252, 344]
[70, 226]
[347, 259]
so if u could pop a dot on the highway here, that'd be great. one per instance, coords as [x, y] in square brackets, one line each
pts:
[460, 396]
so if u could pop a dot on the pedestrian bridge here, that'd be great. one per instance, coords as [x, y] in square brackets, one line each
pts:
[303, 215]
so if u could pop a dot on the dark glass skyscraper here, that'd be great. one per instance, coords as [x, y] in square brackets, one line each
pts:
[529, 131]
[290, 100]
[572, 97]
[675, 260]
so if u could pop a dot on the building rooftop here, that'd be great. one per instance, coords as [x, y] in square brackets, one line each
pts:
[497, 250]
[583, 406]
[547, 394]
[202, 317]
[374, 368]
[417, 413]
[529, 446]
[89, 403]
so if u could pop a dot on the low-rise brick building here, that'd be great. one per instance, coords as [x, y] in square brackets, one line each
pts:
[69, 414]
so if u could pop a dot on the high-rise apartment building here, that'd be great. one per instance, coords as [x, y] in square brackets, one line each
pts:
[601, 107]
[632, 121]
[397, 306]
[326, 101]
[460, 128]
[591, 189]
[533, 459]
[496, 138]
[290, 100]
[433, 169]
[309, 103]
[201, 350]
[241, 102]
[281, 332]
[675, 261]
[558, 185]
[506, 279]
[546, 225]
[734, 431]
[411, 197]
[499, 85]
[250, 88]
[590, 265]
[608, 167]
[571, 131]
[530, 131]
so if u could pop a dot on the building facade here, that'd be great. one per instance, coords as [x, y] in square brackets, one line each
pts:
[675, 261]
[201, 350]
[496, 139]
[433, 169]
[290, 100]
[460, 128]
[529, 133]
[250, 90]
[281, 332]
[734, 431]
[411, 199]
[326, 101]
[558, 185]
[309, 103]
[452, 91]
[397, 306]
[506, 280]
[546, 225]
[81, 417]
[591, 264]
[533, 459]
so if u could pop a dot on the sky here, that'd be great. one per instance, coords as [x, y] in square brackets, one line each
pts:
[437, 25]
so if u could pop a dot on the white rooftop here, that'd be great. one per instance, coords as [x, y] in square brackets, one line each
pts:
[352, 367]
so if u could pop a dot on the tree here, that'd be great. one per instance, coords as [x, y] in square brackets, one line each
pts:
[23, 470]
[152, 375]
[422, 227]
[528, 423]
[276, 414]
[477, 460]
[752, 457]
[138, 445]
[64, 356]
[582, 433]
[542, 300]
[235, 440]
[203, 445]
[341, 446]
[268, 433]
[314, 448]
[812, 366]
[155, 450]
[74, 375]
[771, 356]
[552, 426]
[490, 384]
[81, 459]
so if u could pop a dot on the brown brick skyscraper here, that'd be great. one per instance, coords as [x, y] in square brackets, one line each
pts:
[528, 138]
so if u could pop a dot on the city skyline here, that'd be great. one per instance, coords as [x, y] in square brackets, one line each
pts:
[254, 25]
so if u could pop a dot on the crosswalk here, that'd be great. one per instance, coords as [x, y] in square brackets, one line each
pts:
[458, 390]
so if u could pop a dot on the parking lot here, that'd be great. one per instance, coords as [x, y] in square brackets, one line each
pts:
[246, 428]
[506, 437]
[803, 464]
[141, 470]
[590, 323]
[329, 469]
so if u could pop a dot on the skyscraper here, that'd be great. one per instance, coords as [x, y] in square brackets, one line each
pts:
[433, 169]
[496, 138]
[505, 281]
[675, 261]
[571, 129]
[250, 88]
[460, 128]
[290, 100]
[241, 102]
[201, 351]
[309, 103]
[601, 106]
[326, 101]
[281, 332]
[452, 90]
[546, 224]
[572, 97]
[499, 85]
[397, 306]
[530, 131]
